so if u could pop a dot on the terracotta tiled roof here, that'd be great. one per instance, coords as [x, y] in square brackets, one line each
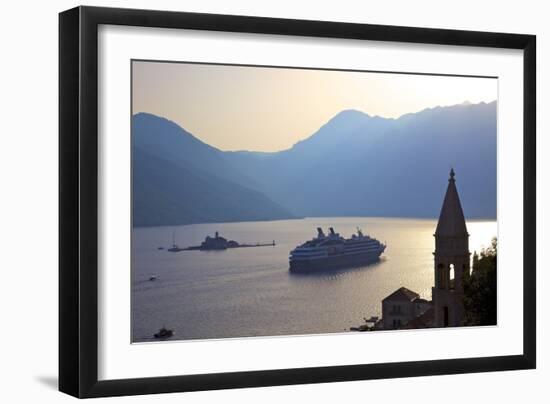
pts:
[425, 320]
[451, 219]
[421, 300]
[402, 294]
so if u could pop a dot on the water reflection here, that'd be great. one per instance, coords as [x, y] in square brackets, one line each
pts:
[336, 272]
[250, 291]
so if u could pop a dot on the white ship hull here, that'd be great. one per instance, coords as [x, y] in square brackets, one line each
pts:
[335, 261]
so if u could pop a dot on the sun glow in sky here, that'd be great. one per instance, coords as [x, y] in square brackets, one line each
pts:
[270, 109]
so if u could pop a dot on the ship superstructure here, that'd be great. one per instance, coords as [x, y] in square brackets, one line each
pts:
[334, 251]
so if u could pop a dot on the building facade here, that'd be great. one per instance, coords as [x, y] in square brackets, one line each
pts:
[402, 306]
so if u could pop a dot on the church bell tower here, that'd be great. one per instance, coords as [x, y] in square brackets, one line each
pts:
[451, 260]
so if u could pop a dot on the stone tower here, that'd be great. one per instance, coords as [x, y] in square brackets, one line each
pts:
[451, 260]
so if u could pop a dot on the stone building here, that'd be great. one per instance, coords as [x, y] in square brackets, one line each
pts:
[401, 307]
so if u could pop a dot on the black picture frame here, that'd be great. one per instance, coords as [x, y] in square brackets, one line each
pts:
[78, 200]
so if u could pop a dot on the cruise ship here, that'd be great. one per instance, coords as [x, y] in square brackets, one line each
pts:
[333, 251]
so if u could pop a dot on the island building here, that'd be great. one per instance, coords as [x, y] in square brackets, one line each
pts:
[404, 308]
[217, 243]
[221, 243]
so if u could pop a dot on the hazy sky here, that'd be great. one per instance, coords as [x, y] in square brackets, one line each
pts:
[270, 109]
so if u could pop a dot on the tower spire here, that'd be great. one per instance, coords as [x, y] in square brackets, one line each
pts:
[451, 218]
[451, 260]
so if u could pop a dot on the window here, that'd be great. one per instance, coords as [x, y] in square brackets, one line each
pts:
[452, 276]
[441, 277]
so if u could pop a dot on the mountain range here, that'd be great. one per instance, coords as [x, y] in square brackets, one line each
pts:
[354, 165]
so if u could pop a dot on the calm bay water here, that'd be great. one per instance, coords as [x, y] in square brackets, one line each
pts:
[250, 292]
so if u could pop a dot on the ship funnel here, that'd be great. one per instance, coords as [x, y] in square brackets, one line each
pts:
[331, 230]
[320, 233]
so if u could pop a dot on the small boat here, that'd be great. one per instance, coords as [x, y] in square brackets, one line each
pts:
[160, 248]
[164, 333]
[174, 247]
[373, 319]
[361, 328]
[368, 326]
[153, 278]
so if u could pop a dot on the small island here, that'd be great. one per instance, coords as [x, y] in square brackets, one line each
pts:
[221, 243]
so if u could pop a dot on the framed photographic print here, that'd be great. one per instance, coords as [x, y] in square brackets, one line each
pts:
[250, 201]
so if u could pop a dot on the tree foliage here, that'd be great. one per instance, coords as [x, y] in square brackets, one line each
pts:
[480, 288]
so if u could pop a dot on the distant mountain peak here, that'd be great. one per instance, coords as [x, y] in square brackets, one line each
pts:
[350, 113]
[148, 115]
[345, 121]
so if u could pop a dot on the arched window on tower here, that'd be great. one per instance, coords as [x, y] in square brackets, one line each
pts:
[440, 281]
[452, 276]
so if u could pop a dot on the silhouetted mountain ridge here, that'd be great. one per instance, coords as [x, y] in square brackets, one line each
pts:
[355, 164]
[177, 179]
